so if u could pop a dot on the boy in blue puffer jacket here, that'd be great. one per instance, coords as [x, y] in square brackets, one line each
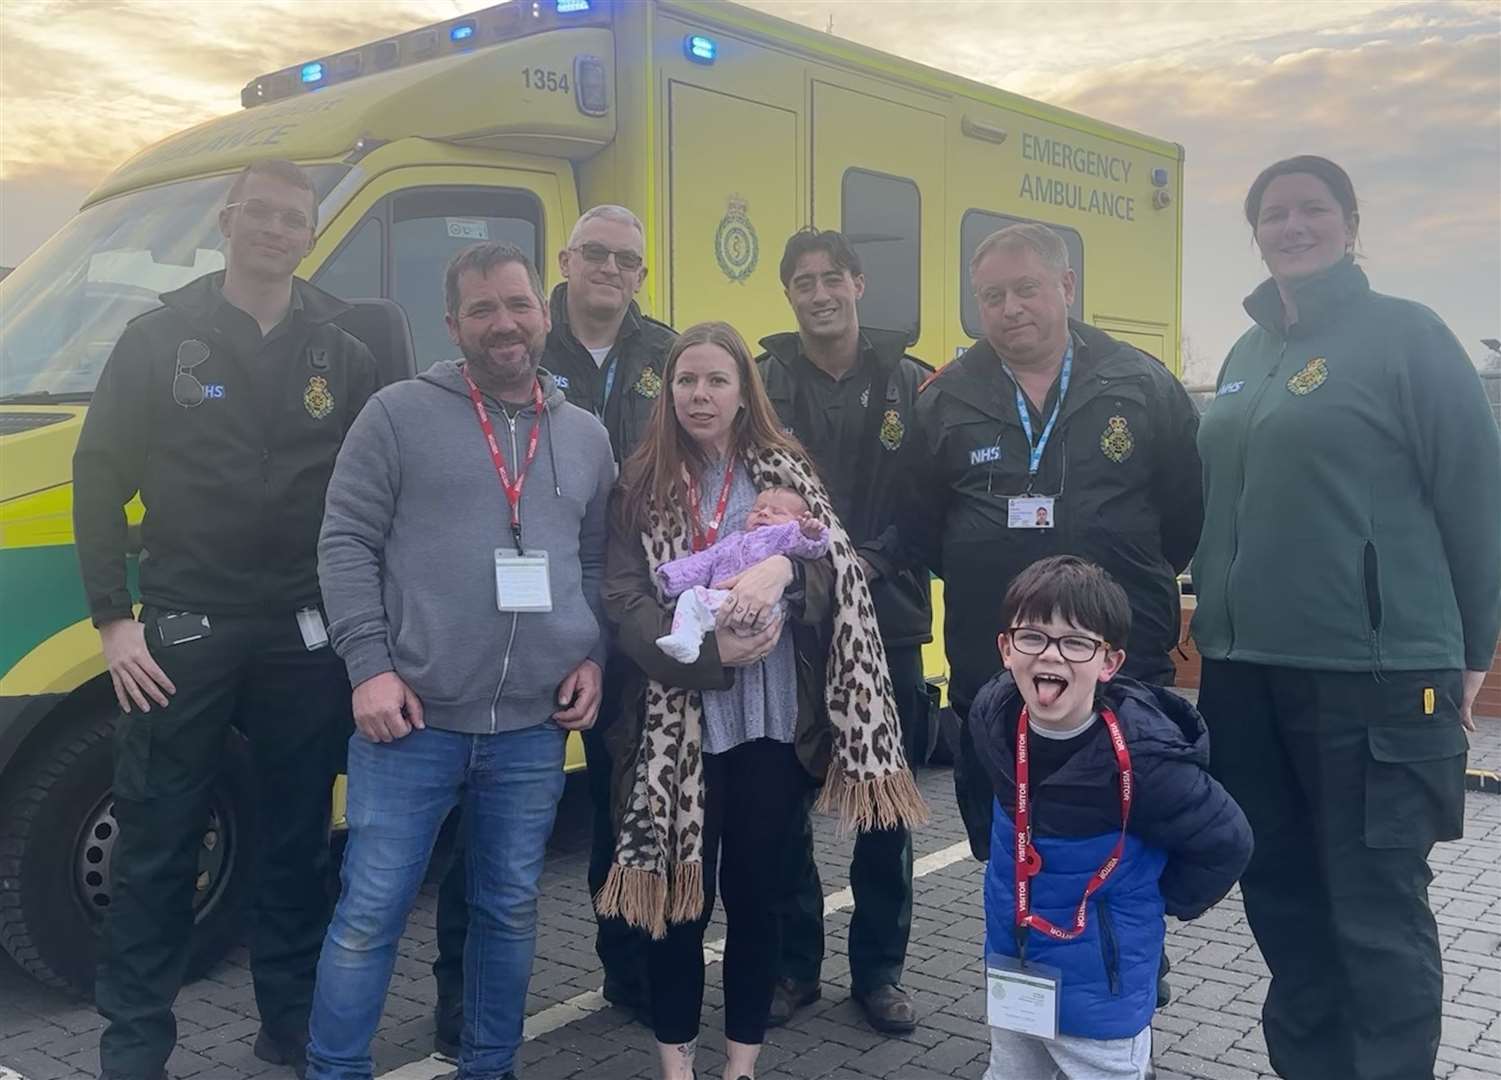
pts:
[1183, 845]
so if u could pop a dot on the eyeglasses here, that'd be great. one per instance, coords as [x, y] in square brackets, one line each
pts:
[598, 254]
[258, 213]
[1075, 648]
[187, 391]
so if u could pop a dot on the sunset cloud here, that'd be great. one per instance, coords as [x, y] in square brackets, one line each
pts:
[85, 86]
[1417, 123]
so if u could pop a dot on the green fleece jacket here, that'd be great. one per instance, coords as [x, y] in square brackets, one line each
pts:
[1352, 475]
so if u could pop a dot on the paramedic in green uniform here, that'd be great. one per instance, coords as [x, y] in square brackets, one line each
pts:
[1349, 598]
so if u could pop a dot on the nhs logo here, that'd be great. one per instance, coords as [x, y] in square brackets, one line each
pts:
[985, 455]
[561, 381]
[1232, 388]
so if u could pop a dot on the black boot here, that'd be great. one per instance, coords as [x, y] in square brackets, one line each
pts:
[290, 1051]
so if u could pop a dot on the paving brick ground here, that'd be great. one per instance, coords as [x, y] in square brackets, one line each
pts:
[1211, 1030]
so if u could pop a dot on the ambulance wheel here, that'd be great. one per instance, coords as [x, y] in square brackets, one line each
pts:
[57, 839]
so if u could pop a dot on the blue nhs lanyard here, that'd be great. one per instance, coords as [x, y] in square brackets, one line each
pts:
[1035, 449]
[610, 366]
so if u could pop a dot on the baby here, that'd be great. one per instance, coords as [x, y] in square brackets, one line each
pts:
[778, 524]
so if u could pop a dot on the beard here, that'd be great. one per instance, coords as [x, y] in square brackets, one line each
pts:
[508, 374]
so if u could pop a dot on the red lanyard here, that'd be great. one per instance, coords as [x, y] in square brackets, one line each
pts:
[512, 489]
[1029, 863]
[702, 539]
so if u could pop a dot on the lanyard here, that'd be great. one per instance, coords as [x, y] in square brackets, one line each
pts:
[512, 489]
[702, 539]
[1035, 449]
[610, 366]
[1029, 863]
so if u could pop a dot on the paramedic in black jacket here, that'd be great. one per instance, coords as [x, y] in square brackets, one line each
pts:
[847, 392]
[1050, 414]
[224, 409]
[607, 357]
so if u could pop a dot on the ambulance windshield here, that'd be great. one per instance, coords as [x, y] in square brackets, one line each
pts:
[62, 310]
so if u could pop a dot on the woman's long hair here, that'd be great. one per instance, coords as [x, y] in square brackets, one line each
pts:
[656, 475]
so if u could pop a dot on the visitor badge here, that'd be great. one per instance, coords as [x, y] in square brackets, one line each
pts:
[522, 582]
[1029, 512]
[1022, 997]
[314, 632]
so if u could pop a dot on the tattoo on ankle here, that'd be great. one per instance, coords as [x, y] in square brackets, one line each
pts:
[686, 1050]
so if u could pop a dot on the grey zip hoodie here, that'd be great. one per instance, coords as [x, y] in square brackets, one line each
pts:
[406, 558]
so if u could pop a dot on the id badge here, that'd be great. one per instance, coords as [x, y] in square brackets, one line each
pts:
[1022, 997]
[314, 632]
[522, 582]
[1029, 512]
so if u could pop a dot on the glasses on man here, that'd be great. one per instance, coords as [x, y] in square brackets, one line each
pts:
[598, 254]
[259, 213]
[187, 391]
[1075, 648]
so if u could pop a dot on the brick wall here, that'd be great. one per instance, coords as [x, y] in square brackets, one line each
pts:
[1488, 704]
[1489, 701]
[1186, 655]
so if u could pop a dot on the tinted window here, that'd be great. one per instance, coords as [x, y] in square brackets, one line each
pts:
[976, 226]
[883, 223]
[427, 227]
[354, 272]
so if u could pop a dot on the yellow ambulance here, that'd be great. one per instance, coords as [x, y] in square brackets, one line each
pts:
[724, 128]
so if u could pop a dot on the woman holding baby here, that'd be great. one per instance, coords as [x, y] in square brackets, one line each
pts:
[789, 687]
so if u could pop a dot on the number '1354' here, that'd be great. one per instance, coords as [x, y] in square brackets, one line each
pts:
[541, 79]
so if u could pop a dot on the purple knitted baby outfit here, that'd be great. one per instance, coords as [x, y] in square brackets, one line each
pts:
[739, 551]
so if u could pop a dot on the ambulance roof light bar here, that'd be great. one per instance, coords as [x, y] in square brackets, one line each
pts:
[465, 33]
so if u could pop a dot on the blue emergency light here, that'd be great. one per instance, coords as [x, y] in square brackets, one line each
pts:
[312, 73]
[700, 49]
[461, 33]
[573, 7]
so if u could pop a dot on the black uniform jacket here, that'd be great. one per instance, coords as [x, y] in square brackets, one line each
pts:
[639, 357]
[234, 484]
[868, 467]
[1122, 464]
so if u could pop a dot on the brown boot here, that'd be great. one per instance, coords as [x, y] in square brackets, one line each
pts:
[889, 1009]
[789, 996]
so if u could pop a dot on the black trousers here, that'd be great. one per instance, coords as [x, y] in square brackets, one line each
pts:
[621, 947]
[1348, 779]
[752, 795]
[256, 674]
[880, 873]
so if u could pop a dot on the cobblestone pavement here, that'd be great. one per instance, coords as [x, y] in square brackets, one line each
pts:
[1210, 1030]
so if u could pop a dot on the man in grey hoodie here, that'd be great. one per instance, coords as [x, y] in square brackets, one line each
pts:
[461, 563]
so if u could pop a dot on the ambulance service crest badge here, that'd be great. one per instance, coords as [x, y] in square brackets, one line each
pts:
[735, 245]
[1116, 442]
[649, 383]
[317, 398]
[1310, 378]
[892, 430]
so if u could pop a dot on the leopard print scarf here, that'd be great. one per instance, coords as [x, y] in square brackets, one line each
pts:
[657, 877]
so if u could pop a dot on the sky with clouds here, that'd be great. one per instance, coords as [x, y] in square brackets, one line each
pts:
[1406, 96]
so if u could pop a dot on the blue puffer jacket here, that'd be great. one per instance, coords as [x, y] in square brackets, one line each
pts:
[1187, 844]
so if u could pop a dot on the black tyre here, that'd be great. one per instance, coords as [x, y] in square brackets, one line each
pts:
[57, 832]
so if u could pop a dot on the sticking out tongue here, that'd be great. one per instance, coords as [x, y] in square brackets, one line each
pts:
[1049, 689]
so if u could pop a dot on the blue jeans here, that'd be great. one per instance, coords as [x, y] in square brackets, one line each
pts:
[399, 794]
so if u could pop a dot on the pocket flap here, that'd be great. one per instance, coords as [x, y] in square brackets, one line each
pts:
[1427, 740]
